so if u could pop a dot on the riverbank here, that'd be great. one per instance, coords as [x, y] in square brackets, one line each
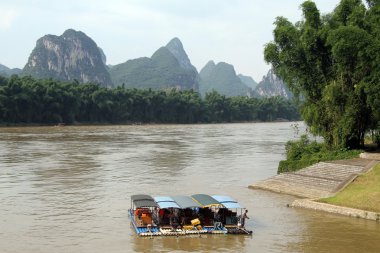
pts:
[362, 193]
[321, 180]
[347, 211]
[324, 181]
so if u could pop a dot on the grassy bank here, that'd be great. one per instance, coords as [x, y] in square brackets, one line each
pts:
[304, 152]
[363, 193]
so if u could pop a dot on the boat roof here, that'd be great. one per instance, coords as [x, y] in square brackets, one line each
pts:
[165, 202]
[227, 201]
[142, 200]
[206, 200]
[185, 202]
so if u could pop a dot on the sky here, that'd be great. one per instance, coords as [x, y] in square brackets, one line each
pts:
[232, 31]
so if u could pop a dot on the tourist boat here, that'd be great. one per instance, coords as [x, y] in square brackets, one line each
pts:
[190, 221]
[168, 211]
[210, 208]
[185, 215]
[230, 215]
[141, 212]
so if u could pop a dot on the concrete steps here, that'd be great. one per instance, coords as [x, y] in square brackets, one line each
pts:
[317, 181]
[333, 171]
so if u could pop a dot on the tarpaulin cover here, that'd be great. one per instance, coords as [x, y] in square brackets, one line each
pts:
[206, 200]
[227, 201]
[142, 200]
[165, 202]
[185, 202]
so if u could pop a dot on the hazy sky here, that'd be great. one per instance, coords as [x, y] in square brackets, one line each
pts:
[233, 31]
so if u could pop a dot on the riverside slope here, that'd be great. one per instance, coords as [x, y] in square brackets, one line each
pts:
[322, 180]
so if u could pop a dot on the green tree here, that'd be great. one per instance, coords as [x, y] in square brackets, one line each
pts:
[47, 101]
[217, 107]
[332, 62]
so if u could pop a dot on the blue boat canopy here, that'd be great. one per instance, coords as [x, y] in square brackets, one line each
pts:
[165, 202]
[206, 200]
[185, 202]
[227, 201]
[143, 200]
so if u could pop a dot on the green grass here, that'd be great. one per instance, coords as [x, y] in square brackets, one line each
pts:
[363, 193]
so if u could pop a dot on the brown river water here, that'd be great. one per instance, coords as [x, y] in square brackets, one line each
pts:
[67, 189]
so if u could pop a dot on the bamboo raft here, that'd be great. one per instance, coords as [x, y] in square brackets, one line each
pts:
[185, 215]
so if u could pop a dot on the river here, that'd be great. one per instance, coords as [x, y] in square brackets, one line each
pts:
[67, 189]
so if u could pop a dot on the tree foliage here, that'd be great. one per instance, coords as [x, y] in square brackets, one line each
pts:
[305, 152]
[27, 100]
[333, 63]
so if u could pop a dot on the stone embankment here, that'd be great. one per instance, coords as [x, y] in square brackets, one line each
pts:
[352, 212]
[322, 180]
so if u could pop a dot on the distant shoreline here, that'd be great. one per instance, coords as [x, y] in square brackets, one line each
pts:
[4, 125]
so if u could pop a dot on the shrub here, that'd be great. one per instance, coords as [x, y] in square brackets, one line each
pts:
[304, 152]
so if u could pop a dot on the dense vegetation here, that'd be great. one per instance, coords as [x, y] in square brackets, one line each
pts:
[305, 152]
[333, 63]
[29, 100]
